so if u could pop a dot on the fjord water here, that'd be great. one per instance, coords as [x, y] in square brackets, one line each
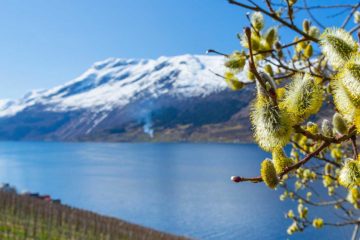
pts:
[178, 188]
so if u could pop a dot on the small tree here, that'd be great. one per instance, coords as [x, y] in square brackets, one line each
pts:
[292, 86]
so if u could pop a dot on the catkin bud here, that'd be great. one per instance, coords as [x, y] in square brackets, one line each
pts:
[342, 100]
[290, 214]
[349, 76]
[257, 20]
[268, 174]
[271, 36]
[328, 169]
[314, 32]
[303, 98]
[353, 197]
[250, 76]
[272, 126]
[339, 124]
[326, 128]
[357, 17]
[312, 127]
[302, 210]
[306, 25]
[268, 69]
[292, 2]
[278, 46]
[357, 121]
[281, 161]
[308, 52]
[337, 45]
[255, 41]
[300, 45]
[269, 84]
[318, 223]
[236, 61]
[293, 228]
[233, 82]
[350, 174]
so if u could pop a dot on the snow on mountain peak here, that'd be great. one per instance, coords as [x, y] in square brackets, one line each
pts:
[116, 82]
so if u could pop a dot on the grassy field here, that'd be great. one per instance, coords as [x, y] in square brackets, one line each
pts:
[29, 218]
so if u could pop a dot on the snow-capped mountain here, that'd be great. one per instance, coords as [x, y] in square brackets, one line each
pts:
[167, 99]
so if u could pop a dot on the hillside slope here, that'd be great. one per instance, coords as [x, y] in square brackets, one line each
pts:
[167, 99]
[25, 217]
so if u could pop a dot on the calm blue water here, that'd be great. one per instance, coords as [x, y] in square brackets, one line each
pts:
[178, 188]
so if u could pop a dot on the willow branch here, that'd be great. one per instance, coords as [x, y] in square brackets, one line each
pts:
[321, 137]
[354, 147]
[253, 69]
[238, 179]
[347, 19]
[311, 15]
[282, 47]
[274, 16]
[322, 146]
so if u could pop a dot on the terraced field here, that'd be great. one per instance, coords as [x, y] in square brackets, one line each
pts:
[29, 218]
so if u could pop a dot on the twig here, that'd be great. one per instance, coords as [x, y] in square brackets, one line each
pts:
[238, 179]
[353, 144]
[322, 146]
[347, 19]
[271, 93]
[275, 17]
[217, 52]
[355, 232]
[312, 16]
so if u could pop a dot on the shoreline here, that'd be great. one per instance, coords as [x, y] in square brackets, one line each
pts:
[26, 217]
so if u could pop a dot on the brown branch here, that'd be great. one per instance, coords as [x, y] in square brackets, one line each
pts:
[319, 204]
[322, 146]
[321, 137]
[311, 15]
[282, 47]
[256, 7]
[347, 19]
[217, 52]
[268, 3]
[318, 157]
[271, 93]
[354, 29]
[353, 144]
[238, 179]
[319, 6]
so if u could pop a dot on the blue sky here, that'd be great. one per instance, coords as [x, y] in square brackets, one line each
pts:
[45, 43]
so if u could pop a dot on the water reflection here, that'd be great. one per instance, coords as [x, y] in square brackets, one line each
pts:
[178, 188]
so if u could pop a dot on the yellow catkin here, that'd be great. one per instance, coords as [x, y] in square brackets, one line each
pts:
[339, 124]
[233, 82]
[303, 97]
[342, 101]
[257, 20]
[268, 174]
[350, 174]
[349, 76]
[338, 46]
[318, 223]
[236, 61]
[357, 120]
[272, 126]
[281, 161]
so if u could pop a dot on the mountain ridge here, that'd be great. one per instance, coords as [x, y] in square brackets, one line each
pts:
[166, 99]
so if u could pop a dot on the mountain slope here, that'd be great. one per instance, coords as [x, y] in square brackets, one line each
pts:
[167, 99]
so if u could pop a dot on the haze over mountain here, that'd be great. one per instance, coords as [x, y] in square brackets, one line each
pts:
[167, 99]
